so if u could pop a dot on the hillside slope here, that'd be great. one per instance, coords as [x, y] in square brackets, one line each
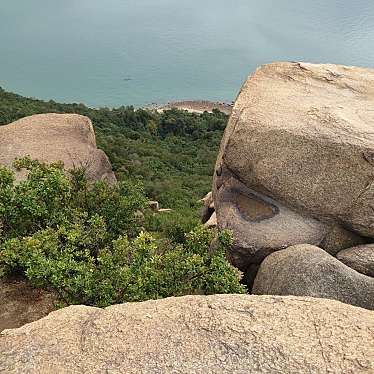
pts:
[173, 153]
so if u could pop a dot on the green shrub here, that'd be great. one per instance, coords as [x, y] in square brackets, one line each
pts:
[50, 198]
[74, 262]
[172, 225]
[83, 241]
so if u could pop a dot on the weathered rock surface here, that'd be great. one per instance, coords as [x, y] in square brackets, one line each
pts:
[338, 238]
[360, 258]
[53, 137]
[154, 205]
[207, 200]
[306, 270]
[196, 334]
[303, 135]
[261, 225]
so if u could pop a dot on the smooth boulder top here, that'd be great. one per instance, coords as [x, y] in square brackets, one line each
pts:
[196, 334]
[303, 134]
[54, 137]
[360, 258]
[306, 270]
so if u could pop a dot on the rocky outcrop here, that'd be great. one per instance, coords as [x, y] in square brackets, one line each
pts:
[196, 334]
[303, 135]
[360, 258]
[300, 140]
[306, 270]
[154, 206]
[261, 224]
[54, 137]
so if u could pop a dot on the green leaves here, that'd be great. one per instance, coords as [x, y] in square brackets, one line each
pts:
[39, 201]
[83, 240]
[49, 197]
[141, 269]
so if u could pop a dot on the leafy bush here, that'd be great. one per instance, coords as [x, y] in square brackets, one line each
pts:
[74, 262]
[50, 198]
[172, 225]
[83, 241]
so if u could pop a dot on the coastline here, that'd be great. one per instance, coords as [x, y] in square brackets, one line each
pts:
[194, 106]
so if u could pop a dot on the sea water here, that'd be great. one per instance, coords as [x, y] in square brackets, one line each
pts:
[121, 52]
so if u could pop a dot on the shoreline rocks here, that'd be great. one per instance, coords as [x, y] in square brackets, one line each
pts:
[195, 106]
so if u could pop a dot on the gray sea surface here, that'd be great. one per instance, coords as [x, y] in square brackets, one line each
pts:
[121, 52]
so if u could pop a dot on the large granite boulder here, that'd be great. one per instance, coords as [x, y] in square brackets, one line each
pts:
[306, 270]
[196, 334]
[303, 135]
[360, 258]
[54, 137]
[300, 139]
[261, 225]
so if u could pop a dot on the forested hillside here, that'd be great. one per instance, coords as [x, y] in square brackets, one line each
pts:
[173, 153]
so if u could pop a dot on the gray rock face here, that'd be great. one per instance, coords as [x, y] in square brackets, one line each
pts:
[196, 334]
[261, 225]
[360, 258]
[306, 270]
[303, 135]
[53, 137]
[339, 238]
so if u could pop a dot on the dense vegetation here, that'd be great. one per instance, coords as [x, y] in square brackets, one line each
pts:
[173, 153]
[97, 244]
[85, 241]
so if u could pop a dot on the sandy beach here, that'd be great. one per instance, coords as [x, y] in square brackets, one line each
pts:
[195, 106]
